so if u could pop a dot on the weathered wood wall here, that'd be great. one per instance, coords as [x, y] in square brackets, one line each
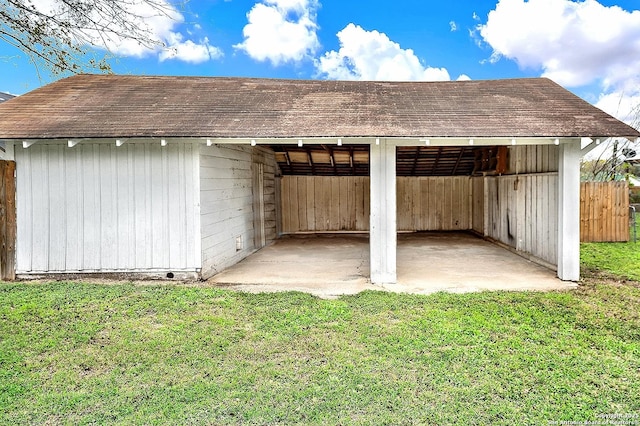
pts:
[324, 203]
[521, 212]
[228, 219]
[101, 208]
[341, 203]
[477, 204]
[264, 193]
[526, 159]
[604, 211]
[7, 220]
[434, 203]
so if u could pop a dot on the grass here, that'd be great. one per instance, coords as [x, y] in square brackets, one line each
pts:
[78, 353]
[620, 259]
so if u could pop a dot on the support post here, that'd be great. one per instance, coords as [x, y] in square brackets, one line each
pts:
[9, 151]
[382, 223]
[569, 211]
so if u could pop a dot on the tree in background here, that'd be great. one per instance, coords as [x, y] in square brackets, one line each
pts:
[58, 35]
[613, 160]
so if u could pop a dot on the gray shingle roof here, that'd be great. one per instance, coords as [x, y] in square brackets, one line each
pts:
[109, 106]
[5, 96]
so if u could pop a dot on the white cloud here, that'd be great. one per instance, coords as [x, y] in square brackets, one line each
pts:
[188, 51]
[157, 22]
[281, 31]
[574, 43]
[623, 105]
[371, 55]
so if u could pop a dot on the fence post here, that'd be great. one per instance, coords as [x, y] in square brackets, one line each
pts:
[632, 219]
[7, 220]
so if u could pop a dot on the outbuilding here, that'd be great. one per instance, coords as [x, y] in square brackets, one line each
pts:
[186, 176]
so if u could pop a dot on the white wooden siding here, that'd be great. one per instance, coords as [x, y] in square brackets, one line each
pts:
[522, 213]
[226, 194]
[267, 159]
[525, 159]
[477, 204]
[101, 208]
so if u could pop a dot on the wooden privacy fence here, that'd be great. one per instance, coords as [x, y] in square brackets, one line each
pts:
[604, 211]
[7, 220]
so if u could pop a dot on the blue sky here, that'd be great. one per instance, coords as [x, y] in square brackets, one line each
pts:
[589, 47]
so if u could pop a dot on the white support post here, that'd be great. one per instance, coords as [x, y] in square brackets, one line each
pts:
[569, 211]
[9, 151]
[382, 224]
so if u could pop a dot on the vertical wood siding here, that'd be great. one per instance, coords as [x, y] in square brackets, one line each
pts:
[101, 208]
[341, 203]
[227, 201]
[434, 203]
[324, 203]
[477, 204]
[525, 159]
[604, 211]
[521, 212]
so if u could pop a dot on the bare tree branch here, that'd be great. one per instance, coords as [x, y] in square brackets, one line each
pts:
[58, 35]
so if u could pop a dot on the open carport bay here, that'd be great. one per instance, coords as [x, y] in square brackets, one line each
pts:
[330, 265]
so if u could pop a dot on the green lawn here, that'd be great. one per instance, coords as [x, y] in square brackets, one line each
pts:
[86, 353]
[620, 259]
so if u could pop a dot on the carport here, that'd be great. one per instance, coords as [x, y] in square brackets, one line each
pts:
[492, 158]
[324, 206]
[187, 176]
[329, 265]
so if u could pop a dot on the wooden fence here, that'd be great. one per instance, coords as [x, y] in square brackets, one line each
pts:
[604, 211]
[7, 220]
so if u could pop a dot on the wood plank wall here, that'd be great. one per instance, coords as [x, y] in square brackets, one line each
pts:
[227, 203]
[341, 203]
[477, 204]
[266, 158]
[324, 203]
[521, 212]
[604, 211]
[101, 208]
[527, 159]
[434, 203]
[7, 220]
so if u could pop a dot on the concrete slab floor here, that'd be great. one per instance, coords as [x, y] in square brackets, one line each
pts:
[330, 265]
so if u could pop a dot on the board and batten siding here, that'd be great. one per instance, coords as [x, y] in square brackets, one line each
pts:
[341, 203]
[477, 204]
[324, 203]
[521, 212]
[96, 207]
[527, 159]
[433, 203]
[227, 203]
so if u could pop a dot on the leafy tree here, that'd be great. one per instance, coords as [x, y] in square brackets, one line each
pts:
[58, 34]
